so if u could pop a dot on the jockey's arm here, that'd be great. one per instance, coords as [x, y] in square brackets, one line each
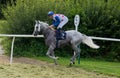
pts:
[56, 22]
[52, 27]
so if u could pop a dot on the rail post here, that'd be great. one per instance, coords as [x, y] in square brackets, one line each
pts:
[12, 47]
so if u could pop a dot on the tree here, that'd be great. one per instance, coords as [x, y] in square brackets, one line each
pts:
[106, 0]
[3, 3]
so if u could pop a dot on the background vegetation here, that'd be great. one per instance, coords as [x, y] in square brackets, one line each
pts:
[98, 18]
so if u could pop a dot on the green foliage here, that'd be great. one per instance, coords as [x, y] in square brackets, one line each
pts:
[3, 3]
[101, 19]
[0, 11]
[33, 48]
[98, 18]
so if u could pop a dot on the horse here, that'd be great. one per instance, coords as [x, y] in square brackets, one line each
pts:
[73, 39]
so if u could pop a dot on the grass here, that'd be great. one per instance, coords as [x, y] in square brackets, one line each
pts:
[18, 70]
[109, 68]
[40, 69]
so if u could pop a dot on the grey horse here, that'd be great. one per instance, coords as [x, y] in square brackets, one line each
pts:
[73, 39]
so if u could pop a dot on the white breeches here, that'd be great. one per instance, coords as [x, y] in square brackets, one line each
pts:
[63, 22]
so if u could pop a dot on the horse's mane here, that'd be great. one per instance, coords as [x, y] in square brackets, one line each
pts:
[46, 28]
[44, 24]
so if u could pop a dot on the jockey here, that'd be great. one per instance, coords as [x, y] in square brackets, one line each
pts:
[58, 21]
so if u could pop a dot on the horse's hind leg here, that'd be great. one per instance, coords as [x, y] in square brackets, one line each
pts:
[76, 53]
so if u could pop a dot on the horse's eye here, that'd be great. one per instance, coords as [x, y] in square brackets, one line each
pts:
[37, 27]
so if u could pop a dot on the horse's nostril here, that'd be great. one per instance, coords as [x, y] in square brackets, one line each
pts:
[35, 33]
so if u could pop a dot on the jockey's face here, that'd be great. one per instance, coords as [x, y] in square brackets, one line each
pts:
[51, 17]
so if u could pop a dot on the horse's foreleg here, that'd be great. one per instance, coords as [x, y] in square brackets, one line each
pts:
[55, 58]
[50, 53]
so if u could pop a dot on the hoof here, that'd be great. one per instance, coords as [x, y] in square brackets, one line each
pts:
[56, 58]
[73, 62]
[56, 63]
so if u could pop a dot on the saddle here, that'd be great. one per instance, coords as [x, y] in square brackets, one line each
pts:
[60, 34]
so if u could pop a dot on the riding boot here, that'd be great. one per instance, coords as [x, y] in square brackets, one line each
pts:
[58, 34]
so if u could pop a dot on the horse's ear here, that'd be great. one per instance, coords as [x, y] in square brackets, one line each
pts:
[38, 21]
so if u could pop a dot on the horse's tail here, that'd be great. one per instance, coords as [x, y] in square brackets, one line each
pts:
[88, 41]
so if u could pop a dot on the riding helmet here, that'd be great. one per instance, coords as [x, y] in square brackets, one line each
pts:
[50, 13]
